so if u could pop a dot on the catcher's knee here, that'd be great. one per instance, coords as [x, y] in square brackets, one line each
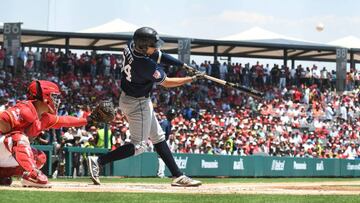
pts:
[19, 138]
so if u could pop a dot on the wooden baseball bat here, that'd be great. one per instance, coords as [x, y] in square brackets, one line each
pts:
[241, 88]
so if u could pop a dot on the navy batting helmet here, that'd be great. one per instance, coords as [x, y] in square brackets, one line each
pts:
[146, 37]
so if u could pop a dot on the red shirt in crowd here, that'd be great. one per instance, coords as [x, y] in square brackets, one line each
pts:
[297, 96]
[2, 54]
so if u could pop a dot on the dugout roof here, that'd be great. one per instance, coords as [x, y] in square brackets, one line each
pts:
[271, 49]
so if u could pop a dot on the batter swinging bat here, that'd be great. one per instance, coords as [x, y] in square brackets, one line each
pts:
[241, 88]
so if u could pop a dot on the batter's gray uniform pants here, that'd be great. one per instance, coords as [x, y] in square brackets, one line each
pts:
[142, 121]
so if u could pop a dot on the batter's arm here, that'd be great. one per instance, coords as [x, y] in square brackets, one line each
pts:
[164, 58]
[175, 82]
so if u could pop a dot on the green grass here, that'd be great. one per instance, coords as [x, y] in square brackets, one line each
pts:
[99, 197]
[77, 197]
[205, 180]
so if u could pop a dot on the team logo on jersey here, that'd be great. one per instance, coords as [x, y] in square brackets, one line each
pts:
[157, 74]
[16, 114]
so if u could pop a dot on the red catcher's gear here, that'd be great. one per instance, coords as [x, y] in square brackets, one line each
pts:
[39, 157]
[35, 178]
[25, 157]
[22, 151]
[22, 117]
[47, 92]
[51, 121]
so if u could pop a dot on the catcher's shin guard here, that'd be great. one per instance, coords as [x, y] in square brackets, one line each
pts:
[24, 156]
[22, 152]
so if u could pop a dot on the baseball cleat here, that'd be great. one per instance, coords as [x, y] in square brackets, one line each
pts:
[27, 183]
[184, 181]
[38, 180]
[94, 169]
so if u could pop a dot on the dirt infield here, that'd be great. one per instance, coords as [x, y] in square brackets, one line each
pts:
[299, 188]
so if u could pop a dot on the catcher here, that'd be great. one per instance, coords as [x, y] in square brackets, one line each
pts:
[26, 120]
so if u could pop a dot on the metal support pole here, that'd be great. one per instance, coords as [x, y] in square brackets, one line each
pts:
[215, 53]
[285, 57]
[67, 45]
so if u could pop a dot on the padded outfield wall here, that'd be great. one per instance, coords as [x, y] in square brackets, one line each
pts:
[146, 165]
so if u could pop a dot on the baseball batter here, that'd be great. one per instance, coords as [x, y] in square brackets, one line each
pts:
[142, 69]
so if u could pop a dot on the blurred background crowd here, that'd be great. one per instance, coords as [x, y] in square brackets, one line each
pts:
[301, 114]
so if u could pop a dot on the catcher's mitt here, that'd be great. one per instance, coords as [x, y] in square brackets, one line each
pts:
[104, 112]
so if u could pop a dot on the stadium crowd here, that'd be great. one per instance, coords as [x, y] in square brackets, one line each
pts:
[301, 114]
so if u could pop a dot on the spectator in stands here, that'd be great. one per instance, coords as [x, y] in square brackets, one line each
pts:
[10, 63]
[266, 77]
[315, 76]
[37, 60]
[246, 75]
[324, 76]
[223, 69]
[2, 57]
[50, 61]
[30, 60]
[275, 74]
[107, 65]
[208, 66]
[282, 76]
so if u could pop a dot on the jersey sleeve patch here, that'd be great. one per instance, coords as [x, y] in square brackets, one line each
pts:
[157, 74]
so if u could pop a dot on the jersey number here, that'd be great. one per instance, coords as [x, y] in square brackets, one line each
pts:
[127, 70]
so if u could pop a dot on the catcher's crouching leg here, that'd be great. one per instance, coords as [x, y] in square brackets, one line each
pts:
[7, 172]
[32, 177]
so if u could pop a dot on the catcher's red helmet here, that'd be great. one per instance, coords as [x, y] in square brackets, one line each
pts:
[45, 91]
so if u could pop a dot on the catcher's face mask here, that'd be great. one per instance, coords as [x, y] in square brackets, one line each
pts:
[54, 103]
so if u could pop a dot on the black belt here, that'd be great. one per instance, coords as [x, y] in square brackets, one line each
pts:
[145, 96]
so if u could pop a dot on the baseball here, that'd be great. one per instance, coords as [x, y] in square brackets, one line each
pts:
[319, 27]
